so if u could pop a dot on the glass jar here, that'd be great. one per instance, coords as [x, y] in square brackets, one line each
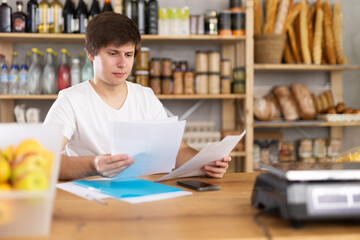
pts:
[238, 87]
[142, 78]
[235, 5]
[239, 74]
[178, 81]
[214, 61]
[238, 23]
[167, 85]
[201, 83]
[211, 23]
[183, 65]
[201, 64]
[225, 67]
[225, 85]
[194, 24]
[166, 67]
[142, 59]
[155, 67]
[214, 83]
[189, 78]
[225, 22]
[155, 84]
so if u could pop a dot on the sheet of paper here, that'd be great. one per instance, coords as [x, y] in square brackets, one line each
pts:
[153, 145]
[207, 156]
[81, 191]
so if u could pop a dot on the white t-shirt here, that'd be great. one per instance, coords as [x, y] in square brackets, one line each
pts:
[85, 116]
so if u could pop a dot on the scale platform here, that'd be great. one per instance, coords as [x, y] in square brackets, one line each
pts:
[329, 191]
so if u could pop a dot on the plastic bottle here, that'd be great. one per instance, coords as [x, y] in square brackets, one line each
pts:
[42, 14]
[34, 82]
[63, 74]
[75, 72]
[87, 71]
[32, 7]
[55, 19]
[14, 76]
[4, 80]
[49, 85]
[23, 80]
[5, 13]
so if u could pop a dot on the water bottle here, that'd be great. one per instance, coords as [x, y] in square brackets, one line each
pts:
[23, 80]
[14, 79]
[2, 60]
[34, 82]
[75, 72]
[4, 80]
[49, 85]
[87, 71]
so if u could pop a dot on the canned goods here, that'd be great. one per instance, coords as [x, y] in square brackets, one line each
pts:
[238, 87]
[166, 67]
[305, 148]
[319, 148]
[225, 23]
[155, 67]
[167, 85]
[225, 67]
[214, 83]
[201, 83]
[235, 5]
[225, 85]
[239, 74]
[142, 59]
[238, 23]
[334, 147]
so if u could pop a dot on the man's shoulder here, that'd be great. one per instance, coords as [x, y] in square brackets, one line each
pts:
[139, 90]
[78, 90]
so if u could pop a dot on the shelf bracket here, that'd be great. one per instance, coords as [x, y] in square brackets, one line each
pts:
[188, 112]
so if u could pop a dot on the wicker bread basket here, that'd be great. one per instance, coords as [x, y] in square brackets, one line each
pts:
[269, 48]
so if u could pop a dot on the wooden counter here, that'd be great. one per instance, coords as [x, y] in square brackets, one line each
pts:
[223, 214]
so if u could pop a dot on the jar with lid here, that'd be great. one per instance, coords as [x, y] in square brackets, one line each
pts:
[142, 59]
[319, 148]
[155, 67]
[239, 74]
[201, 64]
[225, 85]
[189, 78]
[201, 83]
[238, 23]
[142, 78]
[155, 84]
[238, 87]
[214, 83]
[167, 85]
[225, 23]
[214, 61]
[334, 147]
[178, 81]
[235, 5]
[305, 148]
[225, 67]
[183, 65]
[166, 67]
[194, 24]
[211, 23]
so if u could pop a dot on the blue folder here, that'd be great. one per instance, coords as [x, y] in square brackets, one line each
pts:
[128, 187]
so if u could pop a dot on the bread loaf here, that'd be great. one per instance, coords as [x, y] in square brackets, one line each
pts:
[293, 44]
[262, 109]
[288, 56]
[316, 103]
[329, 98]
[271, 9]
[303, 100]
[304, 33]
[329, 34]
[298, 36]
[258, 17]
[324, 102]
[337, 25]
[286, 102]
[293, 13]
[318, 36]
[311, 17]
[275, 108]
[281, 16]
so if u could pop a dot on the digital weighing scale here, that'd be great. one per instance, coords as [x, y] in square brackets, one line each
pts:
[304, 191]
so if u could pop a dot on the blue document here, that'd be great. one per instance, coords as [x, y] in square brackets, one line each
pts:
[128, 187]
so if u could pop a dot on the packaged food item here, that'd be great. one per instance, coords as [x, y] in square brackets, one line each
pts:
[214, 61]
[225, 67]
[183, 65]
[235, 5]
[167, 85]
[319, 148]
[225, 85]
[351, 155]
[155, 84]
[238, 23]
[189, 81]
[201, 83]
[194, 24]
[239, 74]
[238, 87]
[287, 152]
[334, 147]
[178, 81]
[166, 67]
[142, 59]
[201, 64]
[142, 78]
[225, 23]
[155, 67]
[305, 148]
[214, 83]
[211, 23]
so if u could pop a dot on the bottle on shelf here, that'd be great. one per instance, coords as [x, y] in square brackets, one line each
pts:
[49, 85]
[2, 60]
[94, 9]
[14, 75]
[107, 6]
[68, 17]
[55, 18]
[164, 22]
[23, 80]
[63, 74]
[32, 25]
[87, 71]
[134, 11]
[118, 6]
[28, 60]
[152, 17]
[127, 8]
[75, 72]
[184, 21]
[81, 17]
[5, 20]
[4, 80]
[141, 16]
[34, 84]
[19, 19]
[42, 14]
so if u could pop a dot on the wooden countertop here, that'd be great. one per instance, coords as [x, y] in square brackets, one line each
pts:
[223, 214]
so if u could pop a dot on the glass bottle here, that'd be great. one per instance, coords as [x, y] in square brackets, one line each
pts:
[32, 7]
[87, 71]
[2, 60]
[34, 73]
[118, 6]
[107, 6]
[23, 80]
[68, 16]
[4, 80]
[55, 18]
[49, 85]
[152, 19]
[141, 16]
[14, 75]
[94, 9]
[28, 60]
[63, 74]
[43, 16]
[134, 11]
[127, 9]
[82, 17]
[75, 72]
[18, 19]
[5, 19]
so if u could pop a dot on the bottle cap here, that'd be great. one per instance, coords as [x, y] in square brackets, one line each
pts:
[75, 61]
[14, 53]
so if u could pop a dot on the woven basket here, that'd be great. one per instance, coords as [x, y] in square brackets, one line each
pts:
[269, 48]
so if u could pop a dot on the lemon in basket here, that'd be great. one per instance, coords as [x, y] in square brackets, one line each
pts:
[5, 170]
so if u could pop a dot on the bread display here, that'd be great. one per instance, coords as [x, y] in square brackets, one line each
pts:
[286, 102]
[329, 34]
[340, 107]
[271, 9]
[303, 100]
[258, 17]
[318, 36]
[304, 33]
[337, 25]
[274, 105]
[281, 16]
[262, 109]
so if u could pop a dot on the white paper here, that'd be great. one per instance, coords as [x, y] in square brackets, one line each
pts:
[153, 145]
[207, 156]
[81, 191]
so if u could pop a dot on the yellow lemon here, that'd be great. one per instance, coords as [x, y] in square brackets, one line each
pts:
[27, 163]
[35, 180]
[8, 153]
[5, 170]
[29, 145]
[4, 187]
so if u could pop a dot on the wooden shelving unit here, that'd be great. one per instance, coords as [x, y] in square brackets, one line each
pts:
[284, 124]
[304, 67]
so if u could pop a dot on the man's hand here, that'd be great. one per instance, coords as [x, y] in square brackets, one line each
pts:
[111, 165]
[219, 169]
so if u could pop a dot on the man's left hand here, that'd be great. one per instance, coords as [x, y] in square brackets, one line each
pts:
[219, 169]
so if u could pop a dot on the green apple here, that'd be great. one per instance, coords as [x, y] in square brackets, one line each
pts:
[35, 180]
[28, 163]
[5, 170]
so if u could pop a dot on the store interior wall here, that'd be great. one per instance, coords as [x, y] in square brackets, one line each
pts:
[211, 109]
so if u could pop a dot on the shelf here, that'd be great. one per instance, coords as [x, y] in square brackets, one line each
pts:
[237, 154]
[79, 38]
[304, 67]
[163, 97]
[283, 124]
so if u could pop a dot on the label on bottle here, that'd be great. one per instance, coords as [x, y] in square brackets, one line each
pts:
[23, 78]
[19, 25]
[75, 26]
[50, 16]
[4, 78]
[13, 78]
[39, 16]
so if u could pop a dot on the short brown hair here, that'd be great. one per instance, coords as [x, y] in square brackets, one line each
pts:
[111, 28]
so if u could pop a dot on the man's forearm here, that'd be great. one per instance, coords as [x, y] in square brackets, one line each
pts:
[76, 167]
[185, 154]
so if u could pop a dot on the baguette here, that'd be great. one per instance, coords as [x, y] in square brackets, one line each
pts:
[271, 8]
[316, 103]
[311, 17]
[329, 33]
[318, 36]
[293, 13]
[293, 44]
[258, 17]
[281, 16]
[298, 37]
[288, 56]
[329, 98]
[337, 25]
[304, 33]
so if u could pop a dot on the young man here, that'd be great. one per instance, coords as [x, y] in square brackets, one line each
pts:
[111, 43]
